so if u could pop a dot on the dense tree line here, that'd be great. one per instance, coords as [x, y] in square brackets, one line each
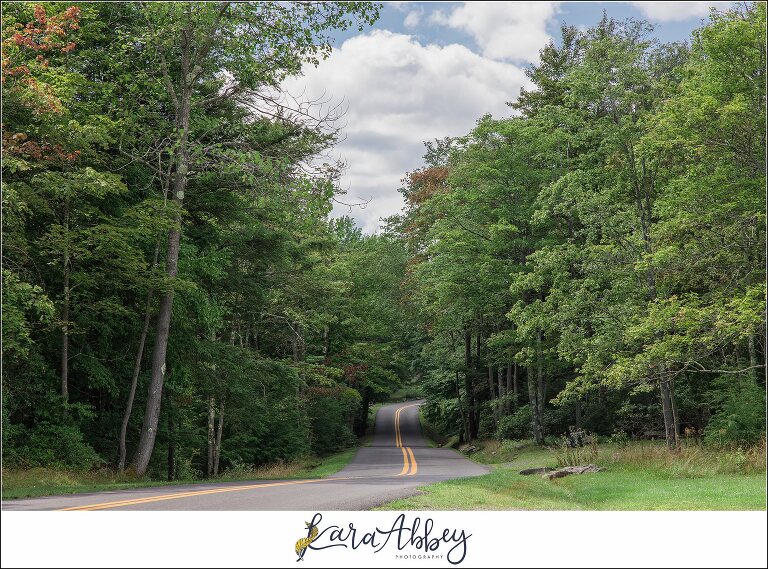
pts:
[175, 299]
[177, 302]
[597, 261]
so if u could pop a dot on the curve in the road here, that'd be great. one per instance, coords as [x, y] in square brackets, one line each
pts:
[393, 466]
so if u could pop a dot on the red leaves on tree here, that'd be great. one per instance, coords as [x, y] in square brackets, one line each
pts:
[352, 371]
[20, 145]
[47, 34]
[426, 183]
[43, 36]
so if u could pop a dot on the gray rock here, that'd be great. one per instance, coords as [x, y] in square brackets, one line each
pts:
[541, 470]
[572, 470]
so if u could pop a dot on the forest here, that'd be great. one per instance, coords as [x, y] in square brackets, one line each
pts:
[178, 301]
[596, 262]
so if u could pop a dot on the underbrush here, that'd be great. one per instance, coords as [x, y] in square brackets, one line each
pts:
[406, 393]
[579, 455]
[431, 433]
[39, 481]
[691, 460]
[279, 469]
[491, 451]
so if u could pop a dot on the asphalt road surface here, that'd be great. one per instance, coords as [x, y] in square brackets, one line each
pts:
[393, 466]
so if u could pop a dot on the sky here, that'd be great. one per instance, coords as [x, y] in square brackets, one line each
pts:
[428, 70]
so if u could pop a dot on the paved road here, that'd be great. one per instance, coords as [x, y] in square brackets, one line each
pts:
[393, 466]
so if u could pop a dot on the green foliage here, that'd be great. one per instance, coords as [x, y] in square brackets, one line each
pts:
[272, 300]
[605, 245]
[515, 426]
[740, 414]
[52, 445]
[331, 416]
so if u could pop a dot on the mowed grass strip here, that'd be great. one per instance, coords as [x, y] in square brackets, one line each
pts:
[620, 487]
[35, 482]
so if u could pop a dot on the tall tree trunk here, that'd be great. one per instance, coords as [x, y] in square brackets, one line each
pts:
[65, 336]
[502, 390]
[540, 387]
[154, 395]
[491, 383]
[171, 446]
[578, 413]
[515, 388]
[508, 403]
[361, 422]
[670, 431]
[469, 385]
[752, 357]
[643, 188]
[326, 343]
[137, 368]
[534, 404]
[217, 449]
[65, 316]
[675, 416]
[464, 419]
[211, 439]
[492, 393]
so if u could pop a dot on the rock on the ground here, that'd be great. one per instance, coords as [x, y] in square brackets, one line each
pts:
[572, 470]
[542, 470]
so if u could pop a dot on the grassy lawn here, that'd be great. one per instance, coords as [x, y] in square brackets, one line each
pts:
[50, 482]
[639, 478]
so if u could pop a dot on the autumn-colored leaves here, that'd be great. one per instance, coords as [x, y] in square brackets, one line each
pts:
[25, 59]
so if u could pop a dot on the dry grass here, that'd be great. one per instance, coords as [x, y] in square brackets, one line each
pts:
[692, 459]
[638, 476]
[577, 456]
[25, 483]
[276, 470]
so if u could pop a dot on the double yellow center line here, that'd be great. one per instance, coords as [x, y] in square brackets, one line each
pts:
[410, 467]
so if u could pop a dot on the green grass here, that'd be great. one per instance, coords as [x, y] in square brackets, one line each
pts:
[326, 466]
[35, 482]
[635, 479]
[495, 452]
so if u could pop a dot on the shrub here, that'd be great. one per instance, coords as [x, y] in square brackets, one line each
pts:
[331, 416]
[619, 438]
[740, 418]
[58, 446]
[515, 426]
[585, 451]
[557, 420]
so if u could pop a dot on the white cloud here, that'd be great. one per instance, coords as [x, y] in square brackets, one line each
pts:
[397, 5]
[412, 19]
[677, 11]
[401, 93]
[503, 30]
[438, 17]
